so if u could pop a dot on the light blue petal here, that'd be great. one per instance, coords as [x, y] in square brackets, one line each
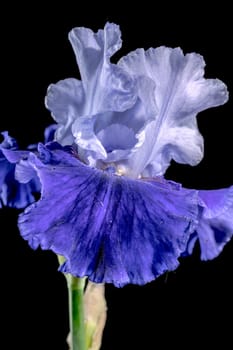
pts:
[107, 86]
[114, 136]
[65, 100]
[117, 136]
[106, 142]
[92, 50]
[85, 137]
[181, 92]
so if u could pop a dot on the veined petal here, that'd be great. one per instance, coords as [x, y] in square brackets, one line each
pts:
[181, 92]
[215, 226]
[109, 228]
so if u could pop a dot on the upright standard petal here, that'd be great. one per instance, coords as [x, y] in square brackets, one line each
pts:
[109, 228]
[181, 92]
[215, 227]
[92, 50]
[105, 89]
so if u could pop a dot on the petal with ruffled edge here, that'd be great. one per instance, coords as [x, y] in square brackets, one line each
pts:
[109, 228]
[65, 100]
[215, 226]
[107, 86]
[181, 92]
[104, 87]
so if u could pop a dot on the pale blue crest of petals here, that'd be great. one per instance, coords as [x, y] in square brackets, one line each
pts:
[91, 112]
[153, 96]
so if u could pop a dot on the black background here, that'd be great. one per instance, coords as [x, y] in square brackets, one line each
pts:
[189, 307]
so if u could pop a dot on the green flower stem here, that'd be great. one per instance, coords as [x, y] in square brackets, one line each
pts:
[76, 313]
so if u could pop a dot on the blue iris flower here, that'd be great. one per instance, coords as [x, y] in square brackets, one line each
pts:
[105, 205]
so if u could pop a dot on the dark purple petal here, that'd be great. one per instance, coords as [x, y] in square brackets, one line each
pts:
[110, 228]
[13, 193]
[14, 156]
[5, 168]
[215, 226]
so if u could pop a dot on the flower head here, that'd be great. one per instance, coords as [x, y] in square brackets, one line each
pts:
[114, 217]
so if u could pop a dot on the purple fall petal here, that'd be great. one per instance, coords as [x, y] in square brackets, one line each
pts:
[215, 226]
[13, 193]
[110, 228]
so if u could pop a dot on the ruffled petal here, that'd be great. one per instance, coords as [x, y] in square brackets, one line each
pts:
[109, 228]
[215, 226]
[92, 49]
[107, 86]
[65, 100]
[181, 92]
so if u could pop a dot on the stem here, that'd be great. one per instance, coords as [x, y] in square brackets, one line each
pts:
[76, 313]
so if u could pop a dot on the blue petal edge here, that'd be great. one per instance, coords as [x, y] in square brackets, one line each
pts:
[215, 226]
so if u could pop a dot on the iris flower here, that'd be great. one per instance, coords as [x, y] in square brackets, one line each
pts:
[105, 205]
